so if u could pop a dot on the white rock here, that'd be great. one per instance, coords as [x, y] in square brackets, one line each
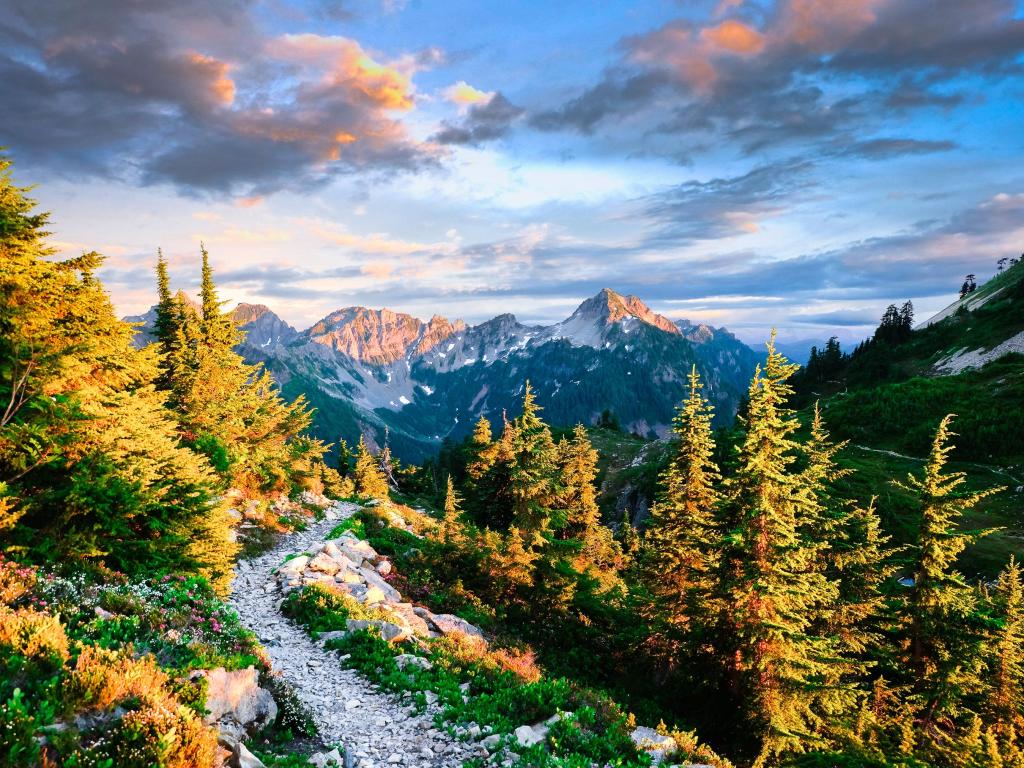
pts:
[649, 739]
[528, 735]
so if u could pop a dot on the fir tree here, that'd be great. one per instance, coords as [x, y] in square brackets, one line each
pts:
[369, 480]
[1005, 646]
[345, 456]
[533, 470]
[597, 552]
[773, 587]
[684, 533]
[451, 524]
[219, 332]
[941, 648]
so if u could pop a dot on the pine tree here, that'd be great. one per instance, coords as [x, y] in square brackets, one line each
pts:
[450, 531]
[533, 468]
[684, 534]
[941, 648]
[89, 456]
[369, 480]
[345, 456]
[1005, 646]
[597, 553]
[219, 332]
[231, 411]
[851, 551]
[773, 587]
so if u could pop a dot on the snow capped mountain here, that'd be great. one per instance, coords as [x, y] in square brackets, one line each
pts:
[366, 369]
[592, 322]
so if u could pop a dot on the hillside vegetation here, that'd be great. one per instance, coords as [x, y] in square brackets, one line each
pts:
[785, 599]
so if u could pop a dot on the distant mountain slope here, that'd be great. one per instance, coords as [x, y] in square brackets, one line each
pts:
[890, 393]
[368, 370]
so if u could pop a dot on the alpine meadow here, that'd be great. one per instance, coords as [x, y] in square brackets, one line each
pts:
[709, 453]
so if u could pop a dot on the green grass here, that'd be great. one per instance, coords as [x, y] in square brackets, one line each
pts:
[873, 475]
[903, 416]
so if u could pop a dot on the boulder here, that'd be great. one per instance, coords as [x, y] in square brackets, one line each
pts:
[324, 563]
[528, 735]
[314, 499]
[243, 758]
[294, 567]
[374, 579]
[346, 576]
[650, 740]
[404, 660]
[447, 623]
[406, 615]
[236, 701]
[390, 632]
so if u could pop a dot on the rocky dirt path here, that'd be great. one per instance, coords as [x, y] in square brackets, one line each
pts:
[377, 729]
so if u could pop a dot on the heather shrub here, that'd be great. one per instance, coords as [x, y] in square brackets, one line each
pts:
[32, 634]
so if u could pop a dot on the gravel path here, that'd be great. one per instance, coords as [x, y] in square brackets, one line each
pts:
[377, 728]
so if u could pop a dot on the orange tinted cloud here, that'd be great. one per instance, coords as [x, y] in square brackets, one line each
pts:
[464, 94]
[824, 24]
[380, 270]
[221, 88]
[347, 66]
[734, 36]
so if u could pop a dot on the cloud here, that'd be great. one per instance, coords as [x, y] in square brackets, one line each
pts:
[197, 95]
[464, 94]
[846, 318]
[485, 121]
[734, 36]
[803, 72]
[724, 207]
[877, 149]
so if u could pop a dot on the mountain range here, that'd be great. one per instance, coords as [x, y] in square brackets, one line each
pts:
[377, 372]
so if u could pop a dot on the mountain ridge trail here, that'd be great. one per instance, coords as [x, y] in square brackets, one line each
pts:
[375, 727]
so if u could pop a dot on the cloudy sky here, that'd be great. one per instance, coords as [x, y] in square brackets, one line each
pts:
[798, 163]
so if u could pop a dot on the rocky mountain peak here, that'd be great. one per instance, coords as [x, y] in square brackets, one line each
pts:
[610, 307]
[590, 323]
[698, 333]
[249, 313]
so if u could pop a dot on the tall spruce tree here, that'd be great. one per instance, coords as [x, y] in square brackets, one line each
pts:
[851, 551]
[940, 641]
[684, 534]
[773, 589]
[534, 466]
[88, 453]
[596, 551]
[450, 531]
[1004, 702]
[369, 480]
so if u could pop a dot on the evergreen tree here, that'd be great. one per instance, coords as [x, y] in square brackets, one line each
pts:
[1004, 703]
[684, 534]
[89, 455]
[345, 456]
[231, 411]
[219, 332]
[533, 468]
[451, 524]
[940, 646]
[779, 662]
[597, 552]
[369, 480]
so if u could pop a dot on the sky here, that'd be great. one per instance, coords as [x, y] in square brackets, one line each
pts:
[797, 164]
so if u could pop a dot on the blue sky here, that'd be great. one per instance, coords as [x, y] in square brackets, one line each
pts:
[799, 164]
